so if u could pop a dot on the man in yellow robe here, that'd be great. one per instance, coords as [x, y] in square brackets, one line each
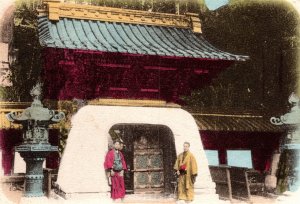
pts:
[186, 168]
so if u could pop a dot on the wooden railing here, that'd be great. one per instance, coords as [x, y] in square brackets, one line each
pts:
[236, 182]
[50, 176]
[221, 176]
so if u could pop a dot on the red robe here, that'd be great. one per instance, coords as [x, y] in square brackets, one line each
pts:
[117, 181]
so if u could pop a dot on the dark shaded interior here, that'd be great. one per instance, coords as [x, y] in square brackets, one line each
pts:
[158, 134]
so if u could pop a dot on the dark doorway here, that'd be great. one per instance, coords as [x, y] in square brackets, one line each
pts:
[150, 155]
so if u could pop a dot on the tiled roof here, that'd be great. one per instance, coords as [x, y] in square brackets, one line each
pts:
[128, 38]
[240, 123]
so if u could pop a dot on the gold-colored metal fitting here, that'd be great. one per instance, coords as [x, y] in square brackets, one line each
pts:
[195, 22]
[133, 102]
[55, 10]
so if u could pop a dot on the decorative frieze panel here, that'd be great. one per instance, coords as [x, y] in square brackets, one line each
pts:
[56, 10]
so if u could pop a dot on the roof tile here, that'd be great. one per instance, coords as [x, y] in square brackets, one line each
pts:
[128, 38]
[235, 123]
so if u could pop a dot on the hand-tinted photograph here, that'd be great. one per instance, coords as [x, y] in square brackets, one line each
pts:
[149, 101]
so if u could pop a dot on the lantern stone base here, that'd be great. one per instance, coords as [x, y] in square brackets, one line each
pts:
[34, 156]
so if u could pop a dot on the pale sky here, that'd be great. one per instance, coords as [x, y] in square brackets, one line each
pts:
[214, 4]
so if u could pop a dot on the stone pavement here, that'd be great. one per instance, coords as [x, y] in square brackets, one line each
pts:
[289, 197]
[7, 196]
[256, 200]
[11, 197]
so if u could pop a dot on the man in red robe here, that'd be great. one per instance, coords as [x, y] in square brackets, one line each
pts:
[115, 165]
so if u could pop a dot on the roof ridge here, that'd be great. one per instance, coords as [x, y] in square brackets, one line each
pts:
[56, 10]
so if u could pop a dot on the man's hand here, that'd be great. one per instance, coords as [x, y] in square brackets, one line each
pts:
[193, 178]
[122, 173]
[112, 173]
[109, 181]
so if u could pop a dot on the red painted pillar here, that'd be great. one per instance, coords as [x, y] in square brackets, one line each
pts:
[222, 156]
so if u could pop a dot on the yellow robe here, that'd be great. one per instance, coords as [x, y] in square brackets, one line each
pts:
[185, 184]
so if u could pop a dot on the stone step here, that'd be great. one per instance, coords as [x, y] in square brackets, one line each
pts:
[146, 198]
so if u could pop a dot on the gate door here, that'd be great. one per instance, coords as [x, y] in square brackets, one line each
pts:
[148, 166]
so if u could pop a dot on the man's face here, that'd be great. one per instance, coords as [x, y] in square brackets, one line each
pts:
[117, 145]
[121, 146]
[186, 147]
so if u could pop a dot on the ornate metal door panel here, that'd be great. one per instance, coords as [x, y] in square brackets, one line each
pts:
[148, 167]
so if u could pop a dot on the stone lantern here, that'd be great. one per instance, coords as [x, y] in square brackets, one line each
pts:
[35, 147]
[289, 162]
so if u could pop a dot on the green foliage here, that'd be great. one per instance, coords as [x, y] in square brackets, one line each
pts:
[163, 6]
[4, 93]
[26, 68]
[268, 34]
[287, 170]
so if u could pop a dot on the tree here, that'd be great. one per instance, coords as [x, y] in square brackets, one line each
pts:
[268, 34]
[26, 51]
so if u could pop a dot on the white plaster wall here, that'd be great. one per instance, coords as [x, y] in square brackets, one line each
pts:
[20, 165]
[81, 169]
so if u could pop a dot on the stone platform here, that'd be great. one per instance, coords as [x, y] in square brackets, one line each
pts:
[81, 169]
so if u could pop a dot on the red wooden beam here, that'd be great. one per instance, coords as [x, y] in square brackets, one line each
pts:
[118, 89]
[201, 71]
[150, 90]
[161, 68]
[127, 66]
